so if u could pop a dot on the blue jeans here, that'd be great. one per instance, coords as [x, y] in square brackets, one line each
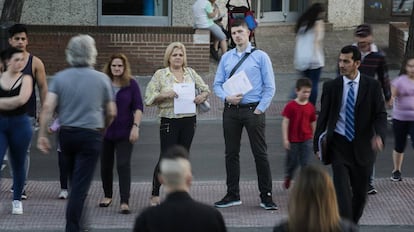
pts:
[16, 134]
[313, 75]
[81, 148]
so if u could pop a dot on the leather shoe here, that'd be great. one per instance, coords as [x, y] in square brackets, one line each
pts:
[105, 202]
[124, 209]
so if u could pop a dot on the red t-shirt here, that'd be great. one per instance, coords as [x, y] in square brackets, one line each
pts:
[300, 121]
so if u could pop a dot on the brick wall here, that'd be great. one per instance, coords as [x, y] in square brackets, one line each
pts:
[144, 46]
[398, 37]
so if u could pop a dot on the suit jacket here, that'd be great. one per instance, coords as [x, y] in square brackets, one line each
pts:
[180, 213]
[370, 117]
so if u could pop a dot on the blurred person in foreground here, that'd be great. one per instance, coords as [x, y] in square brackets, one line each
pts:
[373, 64]
[174, 128]
[83, 99]
[402, 89]
[313, 205]
[15, 129]
[309, 57]
[121, 135]
[33, 66]
[179, 212]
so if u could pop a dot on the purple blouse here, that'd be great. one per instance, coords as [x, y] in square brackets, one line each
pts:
[128, 100]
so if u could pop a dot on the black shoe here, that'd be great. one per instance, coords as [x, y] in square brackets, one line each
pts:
[268, 205]
[24, 195]
[396, 176]
[371, 189]
[228, 201]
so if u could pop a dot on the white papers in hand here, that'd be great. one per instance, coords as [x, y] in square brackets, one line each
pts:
[184, 103]
[237, 84]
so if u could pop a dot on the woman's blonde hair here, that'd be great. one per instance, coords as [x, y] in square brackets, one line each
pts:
[126, 76]
[312, 204]
[170, 50]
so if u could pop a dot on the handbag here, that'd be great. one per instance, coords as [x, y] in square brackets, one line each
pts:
[204, 106]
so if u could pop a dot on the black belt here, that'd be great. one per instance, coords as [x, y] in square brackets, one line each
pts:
[247, 105]
[80, 128]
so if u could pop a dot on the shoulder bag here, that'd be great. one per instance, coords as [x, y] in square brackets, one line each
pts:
[204, 106]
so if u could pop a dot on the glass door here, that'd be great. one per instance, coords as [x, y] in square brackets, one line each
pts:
[278, 10]
[134, 12]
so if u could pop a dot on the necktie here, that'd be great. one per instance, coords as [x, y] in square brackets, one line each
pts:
[349, 113]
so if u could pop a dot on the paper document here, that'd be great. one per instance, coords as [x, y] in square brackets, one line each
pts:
[184, 103]
[238, 84]
[321, 146]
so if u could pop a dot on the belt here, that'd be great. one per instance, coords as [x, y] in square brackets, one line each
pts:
[80, 128]
[247, 105]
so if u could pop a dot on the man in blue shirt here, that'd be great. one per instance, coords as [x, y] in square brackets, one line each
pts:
[246, 110]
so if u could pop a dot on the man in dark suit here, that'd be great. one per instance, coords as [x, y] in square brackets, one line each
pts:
[178, 213]
[354, 117]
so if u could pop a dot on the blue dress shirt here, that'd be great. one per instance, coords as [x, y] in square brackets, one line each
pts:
[258, 69]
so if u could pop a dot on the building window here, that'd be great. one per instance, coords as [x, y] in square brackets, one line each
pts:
[134, 12]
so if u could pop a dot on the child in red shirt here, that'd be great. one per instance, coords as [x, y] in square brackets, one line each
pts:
[298, 125]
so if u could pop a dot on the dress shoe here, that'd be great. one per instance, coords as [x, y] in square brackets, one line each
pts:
[105, 202]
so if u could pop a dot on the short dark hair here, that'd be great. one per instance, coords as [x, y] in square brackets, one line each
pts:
[303, 82]
[17, 28]
[356, 55]
[7, 53]
[363, 30]
[238, 23]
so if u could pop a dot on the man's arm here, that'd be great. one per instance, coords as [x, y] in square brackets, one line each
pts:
[380, 114]
[48, 108]
[383, 78]
[110, 113]
[269, 85]
[323, 116]
[40, 76]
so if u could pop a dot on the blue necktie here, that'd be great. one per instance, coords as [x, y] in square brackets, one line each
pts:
[349, 113]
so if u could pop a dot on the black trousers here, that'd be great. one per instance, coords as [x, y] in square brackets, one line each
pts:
[173, 131]
[234, 119]
[81, 148]
[122, 150]
[350, 179]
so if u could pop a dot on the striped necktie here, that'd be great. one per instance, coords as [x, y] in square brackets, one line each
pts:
[349, 113]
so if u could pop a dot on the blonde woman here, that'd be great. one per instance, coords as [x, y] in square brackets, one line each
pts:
[175, 129]
[313, 205]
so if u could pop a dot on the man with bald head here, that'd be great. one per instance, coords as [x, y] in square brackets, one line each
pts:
[179, 212]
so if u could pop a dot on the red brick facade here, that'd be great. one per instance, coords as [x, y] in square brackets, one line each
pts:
[144, 46]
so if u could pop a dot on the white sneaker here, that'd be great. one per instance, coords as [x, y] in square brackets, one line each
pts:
[63, 194]
[17, 207]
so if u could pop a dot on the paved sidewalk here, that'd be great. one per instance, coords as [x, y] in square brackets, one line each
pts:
[393, 206]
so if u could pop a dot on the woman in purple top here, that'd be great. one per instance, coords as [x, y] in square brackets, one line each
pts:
[402, 90]
[123, 132]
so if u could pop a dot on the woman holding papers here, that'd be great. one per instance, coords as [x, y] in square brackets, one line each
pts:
[178, 116]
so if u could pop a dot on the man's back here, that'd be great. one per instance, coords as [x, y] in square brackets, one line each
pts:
[180, 213]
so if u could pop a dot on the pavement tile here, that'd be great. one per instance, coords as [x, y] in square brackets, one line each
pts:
[392, 205]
